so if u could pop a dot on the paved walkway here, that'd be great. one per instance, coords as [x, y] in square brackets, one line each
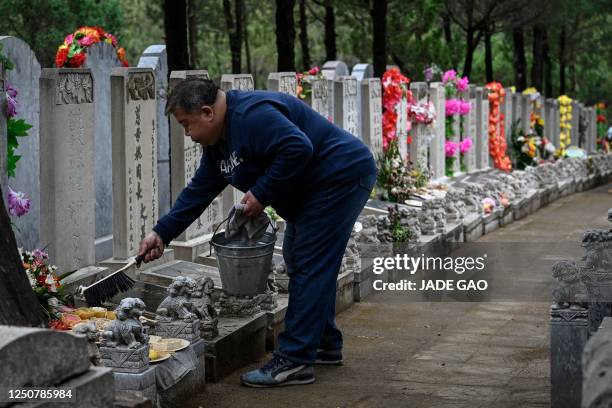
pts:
[436, 355]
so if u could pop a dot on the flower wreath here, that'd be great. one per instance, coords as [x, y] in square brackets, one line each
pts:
[395, 87]
[565, 123]
[73, 51]
[497, 132]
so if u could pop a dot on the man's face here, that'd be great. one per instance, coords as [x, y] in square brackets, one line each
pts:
[201, 126]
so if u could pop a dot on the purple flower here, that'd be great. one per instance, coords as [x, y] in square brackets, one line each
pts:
[11, 101]
[465, 145]
[450, 148]
[453, 107]
[429, 74]
[18, 204]
[462, 84]
[39, 253]
[449, 75]
[464, 108]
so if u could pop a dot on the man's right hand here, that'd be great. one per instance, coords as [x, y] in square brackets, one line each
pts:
[152, 247]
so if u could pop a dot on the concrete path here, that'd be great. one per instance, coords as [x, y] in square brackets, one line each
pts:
[436, 355]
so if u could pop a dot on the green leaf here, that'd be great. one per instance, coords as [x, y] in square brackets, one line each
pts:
[19, 127]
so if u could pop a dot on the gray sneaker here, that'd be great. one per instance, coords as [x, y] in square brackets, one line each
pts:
[329, 357]
[277, 372]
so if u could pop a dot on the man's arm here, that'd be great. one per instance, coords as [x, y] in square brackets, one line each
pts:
[205, 185]
[289, 148]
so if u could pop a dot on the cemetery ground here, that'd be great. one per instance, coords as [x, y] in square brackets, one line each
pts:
[449, 354]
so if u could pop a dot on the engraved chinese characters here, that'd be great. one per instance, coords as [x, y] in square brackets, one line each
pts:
[345, 99]
[134, 158]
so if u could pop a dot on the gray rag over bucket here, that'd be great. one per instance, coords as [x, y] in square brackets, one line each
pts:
[171, 371]
[244, 228]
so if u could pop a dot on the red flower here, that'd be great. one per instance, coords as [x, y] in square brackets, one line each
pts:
[61, 57]
[601, 119]
[78, 60]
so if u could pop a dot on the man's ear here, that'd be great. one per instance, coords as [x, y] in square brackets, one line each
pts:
[207, 111]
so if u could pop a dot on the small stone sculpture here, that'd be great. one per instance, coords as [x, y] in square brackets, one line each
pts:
[204, 308]
[176, 315]
[125, 346]
[427, 218]
[568, 291]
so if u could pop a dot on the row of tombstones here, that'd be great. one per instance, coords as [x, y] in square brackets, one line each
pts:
[351, 101]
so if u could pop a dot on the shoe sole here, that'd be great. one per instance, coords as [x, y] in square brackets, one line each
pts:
[292, 382]
[330, 362]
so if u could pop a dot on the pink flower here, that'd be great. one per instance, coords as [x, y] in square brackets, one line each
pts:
[450, 148]
[112, 38]
[453, 107]
[465, 145]
[462, 84]
[40, 254]
[17, 203]
[86, 41]
[69, 38]
[449, 75]
[11, 101]
[314, 70]
[464, 108]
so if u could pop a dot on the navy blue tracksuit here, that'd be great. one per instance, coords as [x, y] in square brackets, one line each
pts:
[315, 175]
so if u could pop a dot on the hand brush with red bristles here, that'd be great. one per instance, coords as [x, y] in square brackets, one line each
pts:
[107, 287]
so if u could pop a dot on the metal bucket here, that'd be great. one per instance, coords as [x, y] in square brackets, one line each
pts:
[244, 267]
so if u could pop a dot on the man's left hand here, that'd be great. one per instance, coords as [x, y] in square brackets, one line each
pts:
[252, 206]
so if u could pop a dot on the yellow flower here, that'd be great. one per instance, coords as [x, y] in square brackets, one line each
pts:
[540, 121]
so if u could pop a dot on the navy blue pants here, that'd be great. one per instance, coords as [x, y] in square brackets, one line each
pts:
[313, 249]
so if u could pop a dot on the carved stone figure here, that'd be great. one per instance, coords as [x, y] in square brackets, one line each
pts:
[125, 346]
[204, 308]
[568, 290]
[176, 314]
[427, 218]
[89, 331]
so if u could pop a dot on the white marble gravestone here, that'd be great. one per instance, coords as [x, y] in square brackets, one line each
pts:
[361, 72]
[134, 158]
[419, 148]
[25, 77]
[321, 99]
[574, 123]
[101, 60]
[333, 70]
[155, 57]
[481, 142]
[285, 82]
[402, 127]
[507, 109]
[457, 119]
[472, 126]
[525, 112]
[371, 115]
[240, 82]
[67, 171]
[517, 110]
[592, 145]
[556, 124]
[346, 105]
[186, 156]
[437, 158]
[3, 140]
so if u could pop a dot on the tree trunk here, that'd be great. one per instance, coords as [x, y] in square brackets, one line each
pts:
[18, 304]
[193, 33]
[379, 36]
[520, 65]
[488, 55]
[175, 26]
[285, 35]
[562, 61]
[247, 48]
[234, 30]
[470, 46]
[330, 33]
[448, 34]
[537, 66]
[548, 85]
[304, 37]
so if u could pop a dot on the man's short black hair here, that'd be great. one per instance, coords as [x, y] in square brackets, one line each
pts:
[191, 94]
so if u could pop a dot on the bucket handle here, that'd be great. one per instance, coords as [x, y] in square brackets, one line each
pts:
[271, 222]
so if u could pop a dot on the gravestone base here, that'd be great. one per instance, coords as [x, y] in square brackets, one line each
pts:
[194, 382]
[555, 193]
[545, 194]
[592, 181]
[241, 341]
[239, 306]
[506, 217]
[191, 249]
[178, 329]
[472, 227]
[276, 319]
[163, 275]
[364, 280]
[113, 264]
[534, 201]
[125, 360]
[521, 208]
[344, 291]
[84, 276]
[569, 330]
[454, 232]
[92, 389]
[490, 222]
[143, 382]
[580, 187]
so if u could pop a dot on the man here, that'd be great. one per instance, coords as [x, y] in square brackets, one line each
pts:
[315, 175]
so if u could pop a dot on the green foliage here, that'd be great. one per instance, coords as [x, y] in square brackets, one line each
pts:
[15, 128]
[6, 62]
[43, 24]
